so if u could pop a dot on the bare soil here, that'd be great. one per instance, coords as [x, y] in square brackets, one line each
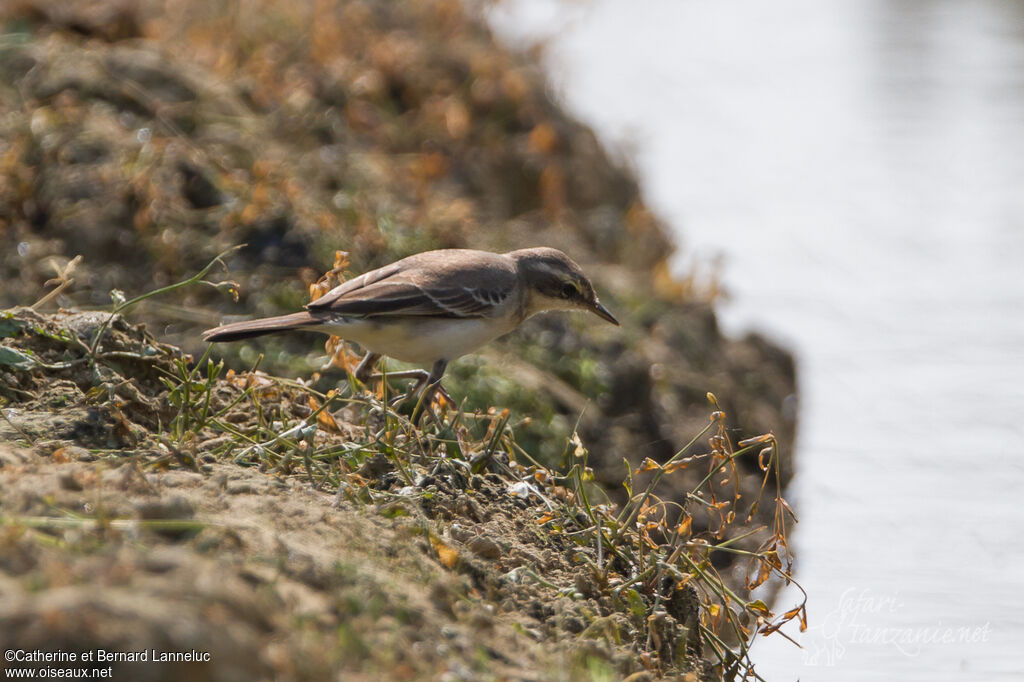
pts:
[148, 136]
[115, 537]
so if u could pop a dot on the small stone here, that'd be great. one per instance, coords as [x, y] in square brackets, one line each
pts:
[481, 619]
[68, 481]
[585, 584]
[75, 452]
[240, 487]
[573, 624]
[176, 507]
[159, 562]
[485, 547]
[460, 533]
[375, 467]
[468, 507]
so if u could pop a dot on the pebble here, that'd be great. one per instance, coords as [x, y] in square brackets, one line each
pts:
[485, 547]
[68, 481]
[240, 487]
[176, 507]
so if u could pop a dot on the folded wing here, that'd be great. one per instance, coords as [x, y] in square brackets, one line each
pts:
[393, 290]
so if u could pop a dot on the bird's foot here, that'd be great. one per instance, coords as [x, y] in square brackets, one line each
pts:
[420, 394]
[439, 392]
[426, 401]
[429, 382]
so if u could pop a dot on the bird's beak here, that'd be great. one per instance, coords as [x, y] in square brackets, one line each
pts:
[603, 313]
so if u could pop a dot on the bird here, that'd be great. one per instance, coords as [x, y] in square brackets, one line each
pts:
[433, 307]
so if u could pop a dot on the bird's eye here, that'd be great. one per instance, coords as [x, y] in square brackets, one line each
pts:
[569, 290]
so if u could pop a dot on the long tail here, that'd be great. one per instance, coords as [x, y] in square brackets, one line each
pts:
[247, 329]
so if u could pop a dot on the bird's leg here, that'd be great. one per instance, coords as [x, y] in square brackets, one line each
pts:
[433, 385]
[420, 375]
[434, 382]
[365, 367]
[364, 373]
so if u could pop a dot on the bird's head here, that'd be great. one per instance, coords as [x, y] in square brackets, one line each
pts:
[555, 282]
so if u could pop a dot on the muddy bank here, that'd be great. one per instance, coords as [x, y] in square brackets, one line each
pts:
[148, 137]
[377, 129]
[135, 519]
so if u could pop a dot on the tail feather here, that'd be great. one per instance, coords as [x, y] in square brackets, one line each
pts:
[248, 329]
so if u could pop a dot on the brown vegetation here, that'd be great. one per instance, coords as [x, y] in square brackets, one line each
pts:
[148, 137]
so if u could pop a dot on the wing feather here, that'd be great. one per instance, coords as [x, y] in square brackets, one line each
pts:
[353, 286]
[415, 287]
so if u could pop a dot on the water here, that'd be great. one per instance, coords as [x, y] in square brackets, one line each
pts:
[860, 167]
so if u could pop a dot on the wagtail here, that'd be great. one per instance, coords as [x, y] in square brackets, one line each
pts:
[434, 307]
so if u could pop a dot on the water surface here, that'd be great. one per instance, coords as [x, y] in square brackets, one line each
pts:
[860, 168]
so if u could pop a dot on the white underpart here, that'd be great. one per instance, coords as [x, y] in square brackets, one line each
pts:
[421, 340]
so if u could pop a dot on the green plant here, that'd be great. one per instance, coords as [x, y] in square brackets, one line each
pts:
[121, 304]
[190, 391]
[644, 554]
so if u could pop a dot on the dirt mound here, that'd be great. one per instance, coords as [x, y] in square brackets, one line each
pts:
[58, 386]
[149, 136]
[120, 537]
[377, 128]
